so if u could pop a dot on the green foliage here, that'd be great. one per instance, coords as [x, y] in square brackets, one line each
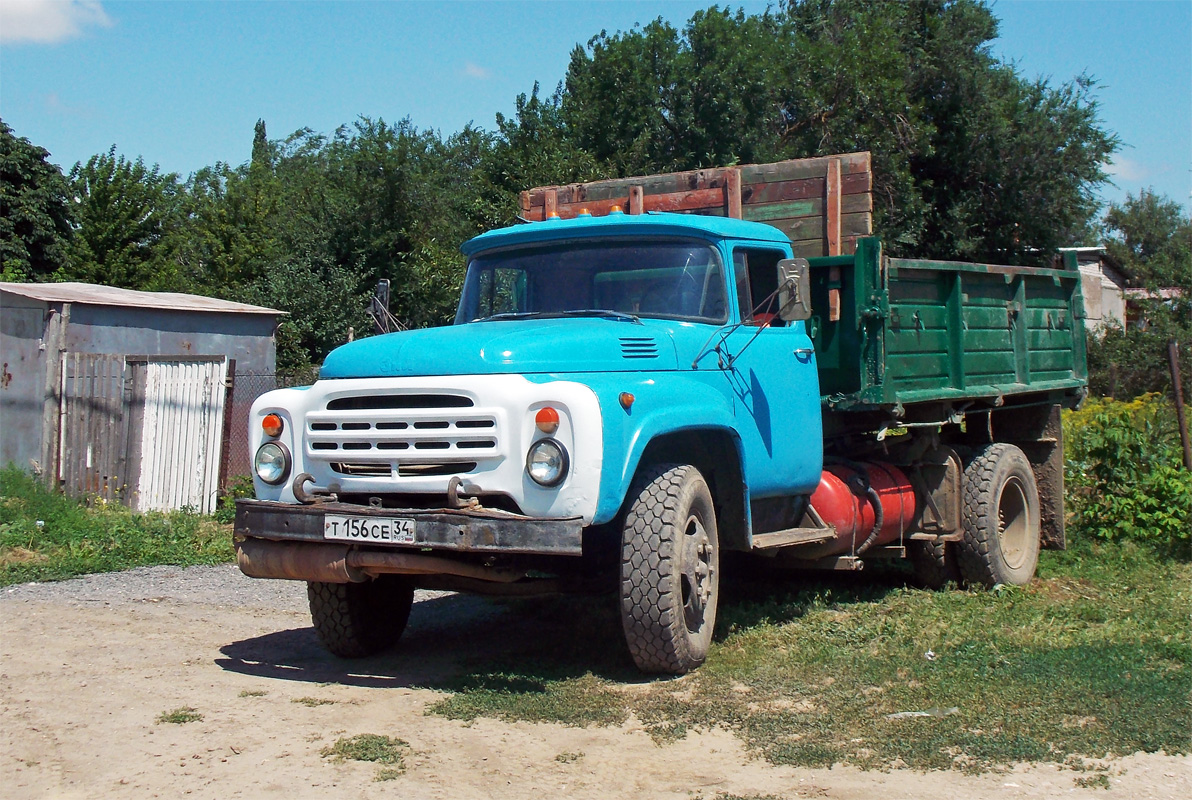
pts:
[1151, 237]
[239, 487]
[1092, 658]
[35, 215]
[1124, 474]
[126, 214]
[74, 539]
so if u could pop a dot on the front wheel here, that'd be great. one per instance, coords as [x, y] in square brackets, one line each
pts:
[354, 620]
[1001, 518]
[670, 564]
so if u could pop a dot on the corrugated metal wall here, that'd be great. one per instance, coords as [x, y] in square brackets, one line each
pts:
[182, 433]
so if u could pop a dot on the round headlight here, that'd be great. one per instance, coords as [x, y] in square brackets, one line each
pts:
[272, 463]
[546, 463]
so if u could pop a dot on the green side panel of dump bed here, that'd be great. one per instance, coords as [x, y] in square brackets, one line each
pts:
[912, 331]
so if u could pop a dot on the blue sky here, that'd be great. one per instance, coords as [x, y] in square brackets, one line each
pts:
[182, 83]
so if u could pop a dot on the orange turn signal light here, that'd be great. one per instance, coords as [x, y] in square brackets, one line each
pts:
[272, 425]
[547, 420]
[626, 400]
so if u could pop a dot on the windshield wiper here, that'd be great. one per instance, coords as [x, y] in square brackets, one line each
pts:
[509, 315]
[602, 312]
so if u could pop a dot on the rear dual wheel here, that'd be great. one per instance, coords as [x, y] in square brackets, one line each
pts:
[1001, 518]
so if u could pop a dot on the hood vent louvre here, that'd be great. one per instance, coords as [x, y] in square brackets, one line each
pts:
[638, 347]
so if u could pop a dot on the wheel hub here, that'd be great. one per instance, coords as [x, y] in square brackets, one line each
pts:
[697, 573]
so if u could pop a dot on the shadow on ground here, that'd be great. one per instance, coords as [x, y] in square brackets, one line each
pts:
[461, 642]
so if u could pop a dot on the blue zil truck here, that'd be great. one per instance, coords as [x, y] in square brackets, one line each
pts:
[624, 397]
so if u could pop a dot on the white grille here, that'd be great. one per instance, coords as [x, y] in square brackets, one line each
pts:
[401, 428]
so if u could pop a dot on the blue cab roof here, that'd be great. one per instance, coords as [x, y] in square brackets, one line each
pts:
[621, 224]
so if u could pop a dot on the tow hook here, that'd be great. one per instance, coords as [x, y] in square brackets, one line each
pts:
[454, 500]
[316, 495]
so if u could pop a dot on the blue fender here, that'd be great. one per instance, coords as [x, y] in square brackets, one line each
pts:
[664, 403]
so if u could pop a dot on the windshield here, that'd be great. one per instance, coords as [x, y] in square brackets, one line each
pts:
[671, 279]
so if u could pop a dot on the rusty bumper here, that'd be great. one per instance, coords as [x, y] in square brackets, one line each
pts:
[453, 531]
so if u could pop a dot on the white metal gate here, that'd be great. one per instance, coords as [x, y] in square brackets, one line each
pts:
[182, 434]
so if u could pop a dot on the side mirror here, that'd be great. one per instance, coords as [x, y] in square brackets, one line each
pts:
[794, 289]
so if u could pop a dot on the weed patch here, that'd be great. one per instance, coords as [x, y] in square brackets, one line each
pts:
[180, 716]
[312, 702]
[374, 748]
[45, 535]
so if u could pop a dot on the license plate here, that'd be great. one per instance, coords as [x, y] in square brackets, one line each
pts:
[392, 530]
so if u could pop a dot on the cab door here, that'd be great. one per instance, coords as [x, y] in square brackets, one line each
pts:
[772, 375]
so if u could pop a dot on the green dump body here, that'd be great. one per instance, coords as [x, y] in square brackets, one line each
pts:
[893, 333]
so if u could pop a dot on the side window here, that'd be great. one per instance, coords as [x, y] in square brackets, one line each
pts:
[502, 290]
[756, 275]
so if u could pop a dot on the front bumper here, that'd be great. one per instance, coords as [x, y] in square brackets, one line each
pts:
[450, 530]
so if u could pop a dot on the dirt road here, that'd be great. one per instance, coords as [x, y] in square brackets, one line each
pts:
[87, 667]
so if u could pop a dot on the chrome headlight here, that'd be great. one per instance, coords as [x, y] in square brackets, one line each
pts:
[546, 463]
[272, 463]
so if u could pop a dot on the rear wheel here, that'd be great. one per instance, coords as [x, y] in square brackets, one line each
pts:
[1001, 518]
[354, 620]
[670, 564]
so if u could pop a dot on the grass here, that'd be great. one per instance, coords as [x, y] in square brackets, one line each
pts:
[1092, 659]
[45, 535]
[180, 716]
[373, 748]
[312, 702]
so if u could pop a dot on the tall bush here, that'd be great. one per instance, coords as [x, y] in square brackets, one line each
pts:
[1125, 476]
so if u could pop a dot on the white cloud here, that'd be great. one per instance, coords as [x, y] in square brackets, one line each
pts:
[1127, 169]
[476, 71]
[49, 21]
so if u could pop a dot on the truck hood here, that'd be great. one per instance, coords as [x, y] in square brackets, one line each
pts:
[516, 346]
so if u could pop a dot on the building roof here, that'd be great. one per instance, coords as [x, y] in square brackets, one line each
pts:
[95, 294]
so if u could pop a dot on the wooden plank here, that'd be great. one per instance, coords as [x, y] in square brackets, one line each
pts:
[861, 182]
[732, 193]
[550, 203]
[814, 248]
[685, 201]
[810, 207]
[832, 207]
[852, 225]
[850, 163]
[636, 203]
[764, 212]
[523, 202]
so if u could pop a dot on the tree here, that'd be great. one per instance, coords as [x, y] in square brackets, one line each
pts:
[126, 214]
[35, 215]
[1151, 237]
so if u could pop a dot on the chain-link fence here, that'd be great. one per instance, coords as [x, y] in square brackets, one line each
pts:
[246, 388]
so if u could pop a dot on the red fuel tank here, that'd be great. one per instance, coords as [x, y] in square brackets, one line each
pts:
[842, 501]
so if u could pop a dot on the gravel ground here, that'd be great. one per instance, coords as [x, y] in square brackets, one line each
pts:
[222, 585]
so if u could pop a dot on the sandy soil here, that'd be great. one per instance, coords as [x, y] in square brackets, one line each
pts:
[86, 667]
